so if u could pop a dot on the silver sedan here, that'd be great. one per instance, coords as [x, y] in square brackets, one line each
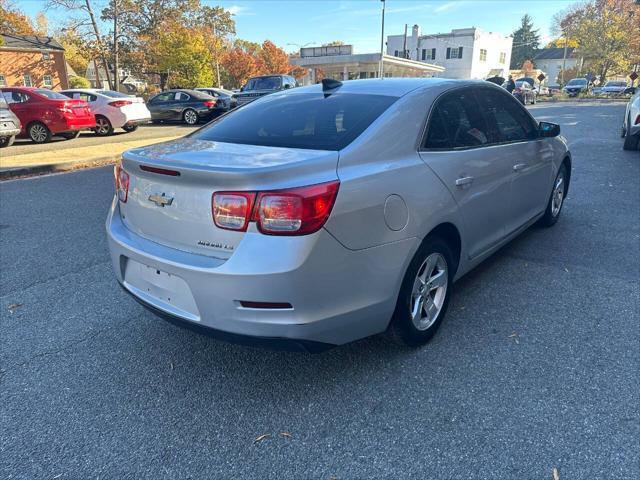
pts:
[320, 215]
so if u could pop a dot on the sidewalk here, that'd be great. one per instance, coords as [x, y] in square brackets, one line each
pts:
[69, 158]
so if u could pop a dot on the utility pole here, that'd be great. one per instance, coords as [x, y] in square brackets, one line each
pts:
[381, 74]
[215, 48]
[564, 57]
[99, 42]
[116, 73]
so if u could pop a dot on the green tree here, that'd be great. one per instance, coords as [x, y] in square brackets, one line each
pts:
[608, 34]
[526, 41]
[79, 82]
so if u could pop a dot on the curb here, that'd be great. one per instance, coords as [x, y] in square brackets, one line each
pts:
[36, 170]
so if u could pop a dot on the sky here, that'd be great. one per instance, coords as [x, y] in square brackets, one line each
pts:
[294, 23]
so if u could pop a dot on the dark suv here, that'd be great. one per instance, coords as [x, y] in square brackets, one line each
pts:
[263, 85]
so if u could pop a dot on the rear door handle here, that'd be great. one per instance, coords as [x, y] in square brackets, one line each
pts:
[519, 166]
[464, 181]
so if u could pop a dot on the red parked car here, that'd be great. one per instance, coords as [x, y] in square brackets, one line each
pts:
[44, 113]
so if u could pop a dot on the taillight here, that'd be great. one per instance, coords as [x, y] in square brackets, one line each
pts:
[65, 108]
[120, 103]
[638, 120]
[232, 210]
[295, 211]
[122, 182]
[210, 103]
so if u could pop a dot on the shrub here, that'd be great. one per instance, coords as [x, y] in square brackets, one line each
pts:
[79, 82]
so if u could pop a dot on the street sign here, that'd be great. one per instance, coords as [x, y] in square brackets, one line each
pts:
[633, 76]
[541, 77]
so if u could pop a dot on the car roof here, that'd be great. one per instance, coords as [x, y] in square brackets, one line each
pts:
[396, 87]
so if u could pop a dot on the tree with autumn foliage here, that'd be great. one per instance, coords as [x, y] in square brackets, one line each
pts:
[607, 32]
[13, 20]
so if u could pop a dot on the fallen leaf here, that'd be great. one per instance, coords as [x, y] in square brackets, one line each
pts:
[556, 474]
[57, 476]
[14, 306]
[514, 335]
[262, 437]
[566, 269]
[171, 365]
[286, 435]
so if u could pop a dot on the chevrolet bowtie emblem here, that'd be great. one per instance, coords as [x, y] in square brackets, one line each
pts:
[161, 200]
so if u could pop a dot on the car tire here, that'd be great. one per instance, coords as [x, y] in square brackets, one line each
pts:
[130, 128]
[156, 122]
[190, 116]
[631, 142]
[7, 141]
[103, 126]
[428, 283]
[39, 133]
[71, 135]
[556, 199]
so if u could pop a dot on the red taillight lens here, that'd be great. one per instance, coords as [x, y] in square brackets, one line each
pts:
[298, 211]
[232, 210]
[122, 183]
[638, 120]
[210, 103]
[65, 108]
[120, 103]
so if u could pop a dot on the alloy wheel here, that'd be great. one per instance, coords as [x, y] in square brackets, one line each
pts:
[191, 117]
[558, 194]
[102, 126]
[38, 133]
[429, 291]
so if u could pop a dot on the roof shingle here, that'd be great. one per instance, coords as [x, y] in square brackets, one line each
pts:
[29, 42]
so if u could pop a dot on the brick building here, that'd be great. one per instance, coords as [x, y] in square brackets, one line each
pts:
[27, 60]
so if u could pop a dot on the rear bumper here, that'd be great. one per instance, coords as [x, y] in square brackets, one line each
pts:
[336, 295]
[72, 124]
[10, 132]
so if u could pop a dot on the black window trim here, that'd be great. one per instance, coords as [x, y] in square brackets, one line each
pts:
[475, 88]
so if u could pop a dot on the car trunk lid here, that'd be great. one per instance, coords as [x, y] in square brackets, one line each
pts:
[171, 187]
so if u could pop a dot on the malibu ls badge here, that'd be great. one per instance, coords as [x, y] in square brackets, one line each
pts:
[161, 200]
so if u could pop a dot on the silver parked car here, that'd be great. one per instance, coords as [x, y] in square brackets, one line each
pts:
[320, 215]
[631, 124]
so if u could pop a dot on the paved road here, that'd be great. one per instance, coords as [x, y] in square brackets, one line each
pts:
[535, 368]
[86, 139]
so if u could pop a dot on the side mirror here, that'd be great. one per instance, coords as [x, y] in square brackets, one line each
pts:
[548, 129]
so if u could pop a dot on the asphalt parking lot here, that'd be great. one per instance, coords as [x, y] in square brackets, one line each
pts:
[534, 369]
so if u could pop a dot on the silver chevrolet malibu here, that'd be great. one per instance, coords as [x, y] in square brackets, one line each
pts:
[320, 215]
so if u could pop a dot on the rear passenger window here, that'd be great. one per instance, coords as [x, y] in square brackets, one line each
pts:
[506, 116]
[458, 114]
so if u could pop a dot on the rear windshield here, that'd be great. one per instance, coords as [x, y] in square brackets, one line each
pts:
[308, 121]
[616, 84]
[113, 94]
[264, 83]
[50, 94]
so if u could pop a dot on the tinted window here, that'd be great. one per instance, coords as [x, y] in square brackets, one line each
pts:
[87, 97]
[508, 120]
[163, 97]
[264, 83]
[68, 94]
[437, 136]
[50, 94]
[576, 82]
[459, 114]
[307, 120]
[182, 97]
[16, 97]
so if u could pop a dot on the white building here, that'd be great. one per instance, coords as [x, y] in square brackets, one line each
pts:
[465, 53]
[551, 60]
[340, 63]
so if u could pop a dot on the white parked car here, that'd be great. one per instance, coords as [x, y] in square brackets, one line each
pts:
[631, 124]
[112, 109]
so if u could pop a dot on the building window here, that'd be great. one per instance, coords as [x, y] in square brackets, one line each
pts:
[483, 55]
[47, 81]
[46, 56]
[431, 54]
[424, 54]
[27, 81]
[3, 81]
[503, 57]
[395, 53]
[454, 52]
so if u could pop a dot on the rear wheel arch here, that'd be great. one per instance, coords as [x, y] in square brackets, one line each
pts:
[450, 234]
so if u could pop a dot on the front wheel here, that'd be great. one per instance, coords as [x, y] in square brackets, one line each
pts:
[7, 141]
[130, 128]
[39, 133]
[424, 294]
[190, 117]
[556, 201]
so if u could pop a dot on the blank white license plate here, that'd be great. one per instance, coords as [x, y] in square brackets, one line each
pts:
[164, 290]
